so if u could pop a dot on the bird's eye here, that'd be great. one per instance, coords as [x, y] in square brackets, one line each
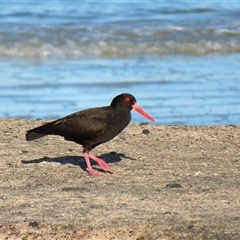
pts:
[127, 99]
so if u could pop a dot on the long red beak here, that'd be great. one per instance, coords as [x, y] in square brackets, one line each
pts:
[139, 110]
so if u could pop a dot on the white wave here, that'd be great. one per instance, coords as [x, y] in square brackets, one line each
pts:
[117, 49]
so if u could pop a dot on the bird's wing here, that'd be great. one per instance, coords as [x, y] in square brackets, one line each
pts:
[83, 125]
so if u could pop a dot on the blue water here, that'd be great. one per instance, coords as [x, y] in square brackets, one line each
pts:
[179, 59]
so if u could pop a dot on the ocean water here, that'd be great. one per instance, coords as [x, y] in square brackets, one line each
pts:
[180, 60]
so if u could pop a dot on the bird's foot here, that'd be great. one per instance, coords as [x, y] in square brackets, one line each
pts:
[95, 173]
[104, 165]
[101, 163]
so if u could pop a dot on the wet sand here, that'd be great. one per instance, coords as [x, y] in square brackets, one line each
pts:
[169, 182]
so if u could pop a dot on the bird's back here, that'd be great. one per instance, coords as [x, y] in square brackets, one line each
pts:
[89, 127]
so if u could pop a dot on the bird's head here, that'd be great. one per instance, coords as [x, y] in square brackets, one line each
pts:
[128, 101]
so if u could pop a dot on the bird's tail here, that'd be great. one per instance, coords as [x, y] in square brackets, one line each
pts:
[41, 131]
[33, 135]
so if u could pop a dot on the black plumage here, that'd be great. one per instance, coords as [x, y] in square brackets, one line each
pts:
[92, 127]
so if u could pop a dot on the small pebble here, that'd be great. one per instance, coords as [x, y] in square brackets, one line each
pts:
[145, 131]
[173, 185]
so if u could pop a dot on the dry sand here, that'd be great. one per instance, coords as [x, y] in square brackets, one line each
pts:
[169, 182]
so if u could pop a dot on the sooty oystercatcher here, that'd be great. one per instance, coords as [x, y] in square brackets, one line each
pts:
[92, 127]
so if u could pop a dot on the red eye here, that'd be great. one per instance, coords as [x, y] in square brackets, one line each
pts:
[127, 99]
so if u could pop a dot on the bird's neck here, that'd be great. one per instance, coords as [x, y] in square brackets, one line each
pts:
[122, 114]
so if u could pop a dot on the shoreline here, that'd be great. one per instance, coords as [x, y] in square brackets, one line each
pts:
[168, 182]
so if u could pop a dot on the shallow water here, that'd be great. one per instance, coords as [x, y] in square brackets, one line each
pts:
[181, 63]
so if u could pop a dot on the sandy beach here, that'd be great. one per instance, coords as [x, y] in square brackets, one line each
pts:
[168, 182]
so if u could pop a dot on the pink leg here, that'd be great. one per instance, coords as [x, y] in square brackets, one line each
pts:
[100, 162]
[89, 167]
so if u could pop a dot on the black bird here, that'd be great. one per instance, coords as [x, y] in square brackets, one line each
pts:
[92, 127]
